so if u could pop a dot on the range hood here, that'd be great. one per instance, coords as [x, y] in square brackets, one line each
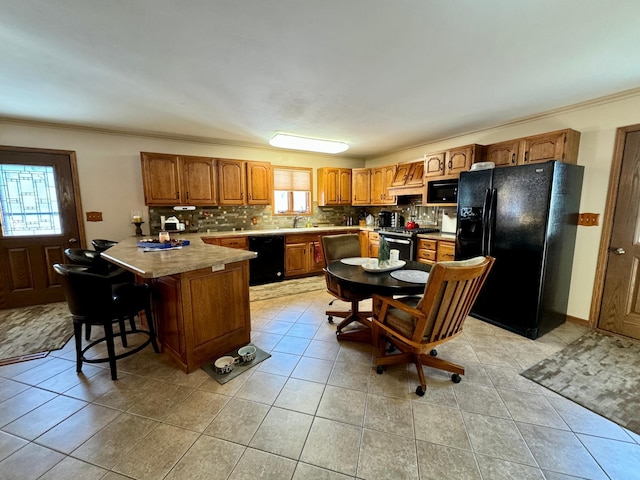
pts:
[409, 179]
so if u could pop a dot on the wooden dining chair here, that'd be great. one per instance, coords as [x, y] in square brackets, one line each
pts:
[337, 247]
[415, 325]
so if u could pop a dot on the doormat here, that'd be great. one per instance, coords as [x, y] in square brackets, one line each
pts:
[32, 332]
[599, 372]
[286, 287]
[238, 368]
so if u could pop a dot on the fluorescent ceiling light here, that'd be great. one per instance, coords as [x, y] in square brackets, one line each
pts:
[294, 142]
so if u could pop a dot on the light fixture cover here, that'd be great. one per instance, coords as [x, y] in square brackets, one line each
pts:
[283, 140]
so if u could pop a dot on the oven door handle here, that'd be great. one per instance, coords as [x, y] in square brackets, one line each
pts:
[397, 240]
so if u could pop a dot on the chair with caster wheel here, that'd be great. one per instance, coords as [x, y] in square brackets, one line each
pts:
[101, 244]
[337, 247]
[92, 300]
[415, 325]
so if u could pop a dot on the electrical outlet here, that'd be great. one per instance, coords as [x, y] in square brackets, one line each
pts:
[94, 216]
[588, 219]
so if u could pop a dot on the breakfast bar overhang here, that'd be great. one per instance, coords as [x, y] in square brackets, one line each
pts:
[200, 296]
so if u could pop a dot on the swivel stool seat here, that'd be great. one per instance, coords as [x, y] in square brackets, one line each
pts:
[101, 244]
[92, 301]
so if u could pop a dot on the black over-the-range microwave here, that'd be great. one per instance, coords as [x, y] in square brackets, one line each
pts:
[442, 191]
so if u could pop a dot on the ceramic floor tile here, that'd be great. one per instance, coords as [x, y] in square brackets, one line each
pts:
[313, 369]
[355, 353]
[279, 363]
[38, 375]
[333, 445]
[390, 415]
[343, 405]
[496, 469]
[27, 400]
[437, 462]
[394, 382]
[29, 462]
[265, 340]
[440, 425]
[497, 437]
[72, 469]
[41, 419]
[480, 399]
[300, 395]
[114, 441]
[257, 464]
[352, 376]
[287, 315]
[160, 400]
[10, 444]
[69, 378]
[278, 327]
[619, 460]
[291, 344]
[208, 459]
[560, 451]
[303, 330]
[78, 428]
[262, 387]
[531, 408]
[197, 411]
[305, 471]
[288, 427]
[387, 457]
[238, 421]
[510, 379]
[323, 350]
[157, 453]
[9, 388]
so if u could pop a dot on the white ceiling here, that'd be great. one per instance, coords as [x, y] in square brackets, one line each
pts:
[378, 74]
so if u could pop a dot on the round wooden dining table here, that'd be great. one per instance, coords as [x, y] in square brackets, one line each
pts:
[356, 280]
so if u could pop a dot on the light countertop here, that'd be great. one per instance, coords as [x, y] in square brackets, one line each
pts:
[276, 231]
[162, 263]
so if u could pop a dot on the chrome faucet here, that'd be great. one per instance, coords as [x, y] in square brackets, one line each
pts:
[295, 220]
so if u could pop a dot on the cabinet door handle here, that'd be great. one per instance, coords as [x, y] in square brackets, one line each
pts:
[187, 195]
[241, 194]
[441, 166]
[513, 157]
[526, 156]
[250, 197]
[449, 164]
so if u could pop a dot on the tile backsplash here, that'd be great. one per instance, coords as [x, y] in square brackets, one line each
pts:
[249, 217]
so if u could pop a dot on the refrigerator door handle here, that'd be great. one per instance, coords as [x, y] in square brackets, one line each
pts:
[485, 221]
[491, 222]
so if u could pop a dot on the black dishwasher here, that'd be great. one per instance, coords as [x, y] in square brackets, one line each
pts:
[268, 266]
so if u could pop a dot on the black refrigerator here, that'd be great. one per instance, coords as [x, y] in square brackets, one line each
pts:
[526, 217]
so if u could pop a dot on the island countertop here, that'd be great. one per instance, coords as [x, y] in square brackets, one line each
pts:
[162, 263]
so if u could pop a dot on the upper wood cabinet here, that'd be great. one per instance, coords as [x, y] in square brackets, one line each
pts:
[334, 186]
[244, 183]
[178, 180]
[559, 145]
[381, 180]
[454, 161]
[361, 186]
[409, 174]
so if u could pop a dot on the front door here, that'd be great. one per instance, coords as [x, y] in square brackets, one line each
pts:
[39, 218]
[620, 307]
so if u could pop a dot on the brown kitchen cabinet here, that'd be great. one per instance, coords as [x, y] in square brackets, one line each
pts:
[361, 186]
[244, 183]
[454, 161]
[334, 186]
[381, 179]
[559, 145]
[239, 242]
[446, 251]
[303, 254]
[409, 174]
[431, 250]
[374, 244]
[178, 180]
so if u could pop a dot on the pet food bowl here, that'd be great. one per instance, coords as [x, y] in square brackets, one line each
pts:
[224, 364]
[247, 353]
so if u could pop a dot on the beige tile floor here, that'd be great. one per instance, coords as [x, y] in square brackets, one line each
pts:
[315, 410]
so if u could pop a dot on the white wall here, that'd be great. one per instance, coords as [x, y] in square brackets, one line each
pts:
[597, 122]
[110, 172]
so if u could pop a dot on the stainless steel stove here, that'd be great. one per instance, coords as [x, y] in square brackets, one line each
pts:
[404, 240]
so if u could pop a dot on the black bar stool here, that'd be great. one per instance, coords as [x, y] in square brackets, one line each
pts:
[101, 244]
[93, 300]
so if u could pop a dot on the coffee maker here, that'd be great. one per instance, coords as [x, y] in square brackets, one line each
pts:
[384, 219]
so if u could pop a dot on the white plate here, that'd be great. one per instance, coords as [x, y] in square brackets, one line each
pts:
[355, 260]
[394, 266]
[411, 276]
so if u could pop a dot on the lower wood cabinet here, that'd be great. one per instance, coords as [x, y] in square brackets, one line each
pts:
[374, 245]
[431, 251]
[303, 254]
[202, 314]
[239, 242]
[446, 251]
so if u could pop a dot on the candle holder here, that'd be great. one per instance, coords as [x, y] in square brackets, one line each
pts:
[138, 229]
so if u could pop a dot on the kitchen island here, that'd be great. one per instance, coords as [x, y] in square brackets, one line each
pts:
[200, 296]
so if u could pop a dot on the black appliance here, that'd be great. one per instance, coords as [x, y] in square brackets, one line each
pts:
[384, 219]
[525, 217]
[442, 191]
[404, 240]
[268, 266]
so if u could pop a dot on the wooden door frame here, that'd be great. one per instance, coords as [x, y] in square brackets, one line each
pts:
[74, 178]
[607, 222]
